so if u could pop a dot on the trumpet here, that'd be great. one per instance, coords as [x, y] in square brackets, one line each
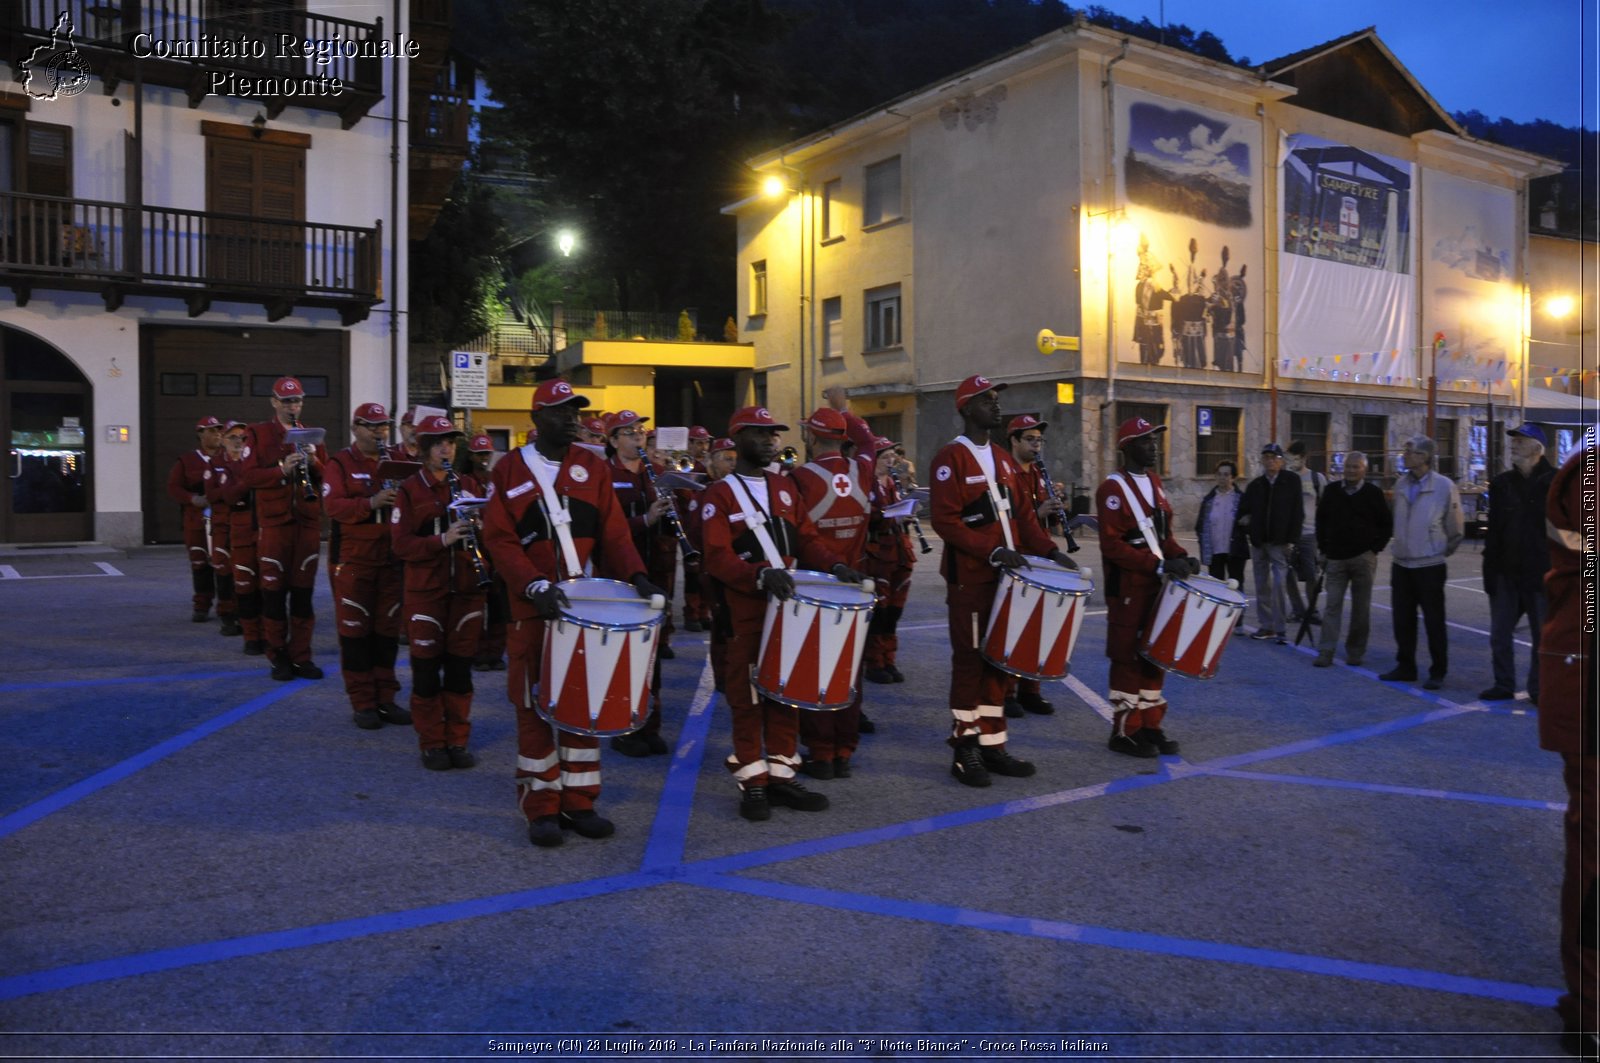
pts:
[466, 511]
[690, 554]
[302, 472]
[1050, 489]
[916, 525]
[788, 458]
[683, 463]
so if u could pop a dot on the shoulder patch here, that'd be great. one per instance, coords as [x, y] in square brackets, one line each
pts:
[785, 497]
[1113, 502]
[520, 489]
[394, 515]
[708, 510]
[327, 488]
[579, 474]
[942, 473]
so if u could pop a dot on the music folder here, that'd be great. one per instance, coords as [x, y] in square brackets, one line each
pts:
[390, 469]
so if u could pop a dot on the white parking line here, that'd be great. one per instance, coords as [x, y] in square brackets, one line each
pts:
[106, 569]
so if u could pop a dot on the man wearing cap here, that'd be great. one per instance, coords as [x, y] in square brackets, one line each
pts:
[838, 495]
[186, 485]
[231, 497]
[527, 533]
[592, 430]
[362, 572]
[1138, 549]
[1427, 529]
[1515, 558]
[859, 434]
[478, 463]
[755, 530]
[291, 532]
[1273, 516]
[696, 612]
[889, 562]
[719, 465]
[409, 450]
[981, 510]
[1026, 435]
[216, 481]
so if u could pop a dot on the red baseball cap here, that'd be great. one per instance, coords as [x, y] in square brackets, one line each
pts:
[287, 387]
[437, 426]
[371, 413]
[1135, 428]
[826, 422]
[231, 425]
[1024, 422]
[481, 445]
[974, 386]
[699, 431]
[722, 443]
[882, 444]
[207, 422]
[556, 392]
[753, 417]
[597, 425]
[410, 416]
[622, 419]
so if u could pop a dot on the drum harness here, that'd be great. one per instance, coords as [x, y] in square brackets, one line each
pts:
[755, 520]
[1135, 500]
[555, 510]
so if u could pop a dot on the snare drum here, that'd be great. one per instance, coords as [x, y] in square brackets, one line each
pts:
[1190, 626]
[811, 645]
[595, 666]
[1035, 619]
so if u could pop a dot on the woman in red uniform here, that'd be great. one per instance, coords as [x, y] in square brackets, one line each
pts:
[889, 562]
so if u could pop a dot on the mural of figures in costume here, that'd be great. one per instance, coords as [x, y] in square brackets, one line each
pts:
[1188, 182]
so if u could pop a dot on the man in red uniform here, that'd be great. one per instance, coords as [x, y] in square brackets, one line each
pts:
[889, 561]
[286, 482]
[491, 655]
[696, 611]
[980, 509]
[719, 464]
[592, 430]
[362, 572]
[1138, 549]
[409, 451]
[234, 505]
[524, 529]
[755, 529]
[1568, 725]
[216, 480]
[1026, 436]
[838, 495]
[186, 485]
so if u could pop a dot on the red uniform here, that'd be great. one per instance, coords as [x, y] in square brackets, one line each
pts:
[965, 518]
[216, 480]
[696, 609]
[187, 479]
[231, 499]
[364, 578]
[444, 608]
[838, 495]
[765, 733]
[1132, 586]
[289, 542]
[657, 546]
[889, 560]
[519, 537]
[1035, 495]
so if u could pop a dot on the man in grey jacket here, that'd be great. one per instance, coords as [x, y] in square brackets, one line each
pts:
[1427, 529]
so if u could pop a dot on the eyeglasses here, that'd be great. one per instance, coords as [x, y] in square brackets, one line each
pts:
[631, 432]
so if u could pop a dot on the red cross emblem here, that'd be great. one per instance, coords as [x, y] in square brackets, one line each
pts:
[841, 485]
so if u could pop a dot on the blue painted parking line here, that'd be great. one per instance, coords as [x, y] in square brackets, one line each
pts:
[1156, 944]
[1382, 788]
[671, 825]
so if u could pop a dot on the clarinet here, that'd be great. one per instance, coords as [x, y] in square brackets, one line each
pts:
[690, 554]
[474, 548]
[302, 473]
[1050, 489]
[916, 525]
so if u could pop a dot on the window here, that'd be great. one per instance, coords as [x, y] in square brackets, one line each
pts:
[883, 192]
[759, 384]
[758, 287]
[180, 384]
[831, 226]
[500, 438]
[1312, 430]
[225, 385]
[833, 327]
[1444, 442]
[1155, 413]
[883, 317]
[264, 181]
[1221, 445]
[1369, 433]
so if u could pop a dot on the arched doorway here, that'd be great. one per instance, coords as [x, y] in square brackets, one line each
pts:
[46, 408]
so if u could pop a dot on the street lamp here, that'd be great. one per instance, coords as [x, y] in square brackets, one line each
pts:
[566, 240]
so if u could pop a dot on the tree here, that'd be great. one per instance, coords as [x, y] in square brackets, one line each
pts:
[455, 274]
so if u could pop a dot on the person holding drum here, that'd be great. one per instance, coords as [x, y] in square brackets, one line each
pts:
[552, 516]
[755, 530]
[1138, 549]
[981, 509]
[1026, 435]
[889, 561]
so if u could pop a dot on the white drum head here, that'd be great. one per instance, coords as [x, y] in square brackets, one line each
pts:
[605, 603]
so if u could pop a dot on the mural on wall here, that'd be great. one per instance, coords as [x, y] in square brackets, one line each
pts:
[1188, 178]
[1347, 299]
[1470, 294]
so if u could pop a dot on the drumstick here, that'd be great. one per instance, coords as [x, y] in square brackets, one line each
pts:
[796, 574]
[657, 602]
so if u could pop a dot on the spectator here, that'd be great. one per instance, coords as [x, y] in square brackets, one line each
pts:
[1515, 559]
[1303, 559]
[1272, 519]
[1353, 525]
[1223, 546]
[1427, 530]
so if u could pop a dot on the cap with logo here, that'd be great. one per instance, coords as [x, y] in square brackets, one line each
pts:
[881, 444]
[622, 419]
[826, 422]
[597, 425]
[206, 422]
[753, 417]
[231, 425]
[1273, 449]
[722, 443]
[370, 413]
[557, 392]
[1025, 422]
[481, 444]
[437, 426]
[974, 386]
[1528, 430]
[699, 431]
[287, 387]
[1137, 428]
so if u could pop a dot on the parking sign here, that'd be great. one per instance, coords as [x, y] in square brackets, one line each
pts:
[469, 380]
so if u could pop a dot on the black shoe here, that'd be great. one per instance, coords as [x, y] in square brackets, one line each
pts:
[841, 767]
[393, 713]
[483, 665]
[753, 804]
[1155, 736]
[999, 762]
[230, 629]
[1132, 746]
[460, 756]
[666, 653]
[631, 745]
[968, 766]
[692, 625]
[255, 648]
[791, 794]
[878, 675]
[867, 726]
[1264, 634]
[545, 832]
[818, 769]
[1496, 693]
[1035, 704]
[1399, 675]
[498, 664]
[436, 760]
[1014, 709]
[658, 745]
[306, 670]
[201, 616]
[588, 823]
[368, 720]
[899, 676]
[1433, 683]
[282, 670]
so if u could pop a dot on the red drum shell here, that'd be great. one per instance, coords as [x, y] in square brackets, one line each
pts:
[597, 658]
[1035, 619]
[812, 644]
[1189, 627]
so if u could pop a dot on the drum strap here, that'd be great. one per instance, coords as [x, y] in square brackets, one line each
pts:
[755, 520]
[1130, 495]
[560, 518]
[1002, 506]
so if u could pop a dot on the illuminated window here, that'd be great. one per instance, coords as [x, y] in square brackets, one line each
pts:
[758, 287]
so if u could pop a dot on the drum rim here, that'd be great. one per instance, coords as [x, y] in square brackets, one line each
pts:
[806, 705]
[831, 580]
[1201, 592]
[1174, 670]
[569, 618]
[1021, 576]
[1040, 676]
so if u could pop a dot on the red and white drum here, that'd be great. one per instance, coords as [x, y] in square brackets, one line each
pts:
[811, 645]
[595, 666]
[1035, 619]
[1190, 626]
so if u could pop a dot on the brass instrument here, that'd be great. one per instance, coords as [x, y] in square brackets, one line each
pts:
[788, 458]
[302, 472]
[1050, 489]
[690, 554]
[466, 510]
[916, 525]
[683, 463]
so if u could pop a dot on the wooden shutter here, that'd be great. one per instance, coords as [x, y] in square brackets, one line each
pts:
[47, 164]
[264, 182]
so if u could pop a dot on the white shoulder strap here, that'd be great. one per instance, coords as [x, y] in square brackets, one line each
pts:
[754, 520]
[1002, 506]
[1135, 504]
[560, 518]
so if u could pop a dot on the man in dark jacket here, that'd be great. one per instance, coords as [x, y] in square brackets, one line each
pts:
[1515, 558]
[1353, 526]
[1272, 514]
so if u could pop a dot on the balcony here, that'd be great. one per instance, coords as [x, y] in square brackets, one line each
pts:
[272, 54]
[200, 257]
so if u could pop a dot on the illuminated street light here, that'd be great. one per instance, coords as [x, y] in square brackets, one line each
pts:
[566, 240]
[1559, 306]
[772, 187]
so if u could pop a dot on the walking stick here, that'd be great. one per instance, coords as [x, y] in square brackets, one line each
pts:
[1311, 602]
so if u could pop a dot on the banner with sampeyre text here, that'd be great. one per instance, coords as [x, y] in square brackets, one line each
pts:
[1471, 302]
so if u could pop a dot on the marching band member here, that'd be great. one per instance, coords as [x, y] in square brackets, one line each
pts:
[592, 430]
[1133, 509]
[186, 485]
[478, 463]
[979, 509]
[755, 530]
[235, 501]
[1026, 435]
[408, 449]
[696, 612]
[719, 464]
[550, 501]
[216, 480]
[838, 495]
[362, 572]
[889, 562]
[284, 479]
[444, 604]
